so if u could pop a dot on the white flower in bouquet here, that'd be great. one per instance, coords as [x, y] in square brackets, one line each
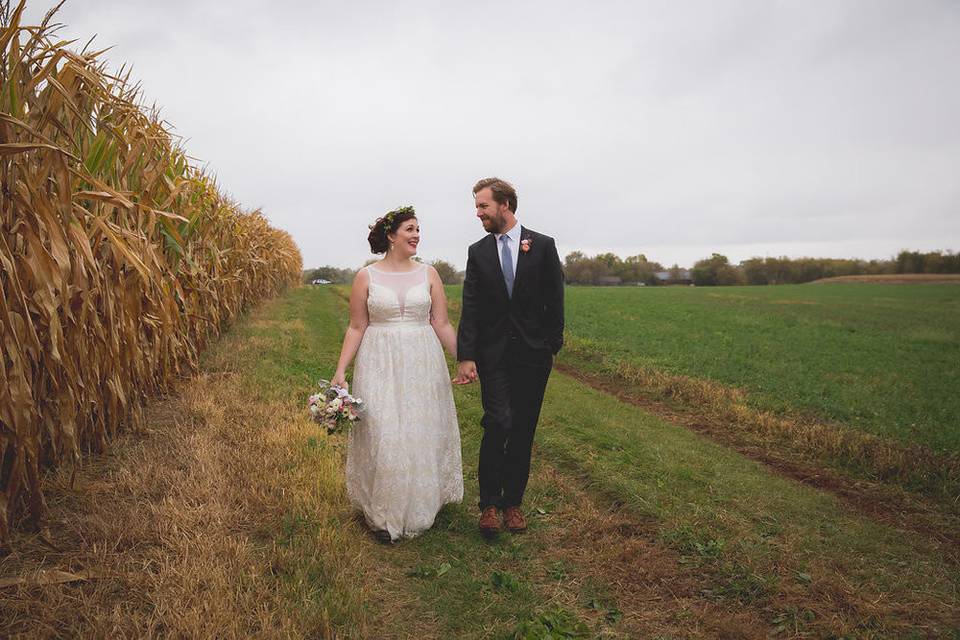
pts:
[334, 407]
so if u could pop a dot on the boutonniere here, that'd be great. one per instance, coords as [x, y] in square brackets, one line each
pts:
[525, 245]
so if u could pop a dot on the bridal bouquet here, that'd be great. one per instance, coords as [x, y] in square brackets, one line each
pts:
[334, 408]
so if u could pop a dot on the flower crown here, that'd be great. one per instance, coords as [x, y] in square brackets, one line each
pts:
[390, 216]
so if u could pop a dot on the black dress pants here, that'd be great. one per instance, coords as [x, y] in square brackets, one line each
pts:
[512, 393]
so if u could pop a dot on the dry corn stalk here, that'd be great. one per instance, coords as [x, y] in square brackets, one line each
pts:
[118, 260]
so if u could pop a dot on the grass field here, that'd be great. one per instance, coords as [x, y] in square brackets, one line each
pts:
[881, 358]
[712, 538]
[862, 379]
[639, 527]
[716, 541]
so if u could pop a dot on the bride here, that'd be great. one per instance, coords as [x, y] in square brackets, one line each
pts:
[403, 455]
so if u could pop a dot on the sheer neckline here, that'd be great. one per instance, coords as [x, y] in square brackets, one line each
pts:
[400, 283]
[396, 273]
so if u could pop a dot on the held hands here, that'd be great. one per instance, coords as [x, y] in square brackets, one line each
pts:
[466, 372]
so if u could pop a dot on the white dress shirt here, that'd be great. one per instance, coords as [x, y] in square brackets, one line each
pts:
[514, 242]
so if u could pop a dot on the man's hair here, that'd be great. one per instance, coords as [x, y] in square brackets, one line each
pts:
[503, 192]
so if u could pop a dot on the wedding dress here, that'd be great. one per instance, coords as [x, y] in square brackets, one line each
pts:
[403, 455]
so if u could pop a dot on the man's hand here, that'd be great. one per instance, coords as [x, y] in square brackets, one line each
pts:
[466, 372]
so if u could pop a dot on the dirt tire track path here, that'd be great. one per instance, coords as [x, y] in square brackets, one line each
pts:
[884, 504]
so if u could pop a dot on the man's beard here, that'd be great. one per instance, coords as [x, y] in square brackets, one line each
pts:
[495, 225]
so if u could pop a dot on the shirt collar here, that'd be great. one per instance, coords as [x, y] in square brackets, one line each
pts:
[513, 234]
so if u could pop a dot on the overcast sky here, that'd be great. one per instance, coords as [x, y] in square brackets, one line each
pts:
[669, 128]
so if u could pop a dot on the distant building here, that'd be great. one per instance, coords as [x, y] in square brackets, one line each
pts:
[678, 276]
[320, 281]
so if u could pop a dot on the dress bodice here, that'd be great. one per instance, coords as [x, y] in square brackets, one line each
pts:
[398, 298]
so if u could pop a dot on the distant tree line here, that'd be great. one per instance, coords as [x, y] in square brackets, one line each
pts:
[448, 273]
[332, 274]
[717, 270]
[931, 262]
[610, 269]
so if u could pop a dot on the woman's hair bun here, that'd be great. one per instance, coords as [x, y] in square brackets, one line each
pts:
[385, 225]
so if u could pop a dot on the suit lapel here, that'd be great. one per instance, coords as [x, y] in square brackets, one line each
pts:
[522, 260]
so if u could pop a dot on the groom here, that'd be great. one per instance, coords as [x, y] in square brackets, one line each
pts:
[511, 325]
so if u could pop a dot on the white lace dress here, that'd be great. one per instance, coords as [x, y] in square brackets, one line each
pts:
[403, 455]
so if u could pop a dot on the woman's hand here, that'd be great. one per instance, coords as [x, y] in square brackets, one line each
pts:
[339, 380]
[466, 372]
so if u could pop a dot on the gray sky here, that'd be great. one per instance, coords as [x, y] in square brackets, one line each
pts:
[669, 128]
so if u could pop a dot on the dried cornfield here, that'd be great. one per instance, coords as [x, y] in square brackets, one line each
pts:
[119, 260]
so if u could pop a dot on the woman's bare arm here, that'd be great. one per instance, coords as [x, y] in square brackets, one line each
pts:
[359, 320]
[438, 314]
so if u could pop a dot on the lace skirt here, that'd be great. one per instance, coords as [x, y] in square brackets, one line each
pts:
[403, 455]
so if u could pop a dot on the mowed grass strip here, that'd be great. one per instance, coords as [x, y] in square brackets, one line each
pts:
[635, 508]
[820, 455]
[770, 544]
[553, 577]
[466, 587]
[558, 575]
[449, 582]
[641, 528]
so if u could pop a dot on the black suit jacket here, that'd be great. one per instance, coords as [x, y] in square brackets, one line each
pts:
[533, 314]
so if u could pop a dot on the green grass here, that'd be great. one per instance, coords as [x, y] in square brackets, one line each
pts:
[755, 535]
[752, 544]
[882, 358]
[461, 580]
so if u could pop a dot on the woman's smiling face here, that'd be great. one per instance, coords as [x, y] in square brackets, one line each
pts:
[406, 238]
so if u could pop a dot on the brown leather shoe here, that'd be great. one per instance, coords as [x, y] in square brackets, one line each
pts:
[490, 522]
[514, 521]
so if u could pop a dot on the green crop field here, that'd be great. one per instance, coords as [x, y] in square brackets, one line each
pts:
[882, 358]
[861, 379]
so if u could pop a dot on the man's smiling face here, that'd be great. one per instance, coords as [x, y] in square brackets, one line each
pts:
[491, 213]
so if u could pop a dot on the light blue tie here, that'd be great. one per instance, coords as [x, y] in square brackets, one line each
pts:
[506, 263]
